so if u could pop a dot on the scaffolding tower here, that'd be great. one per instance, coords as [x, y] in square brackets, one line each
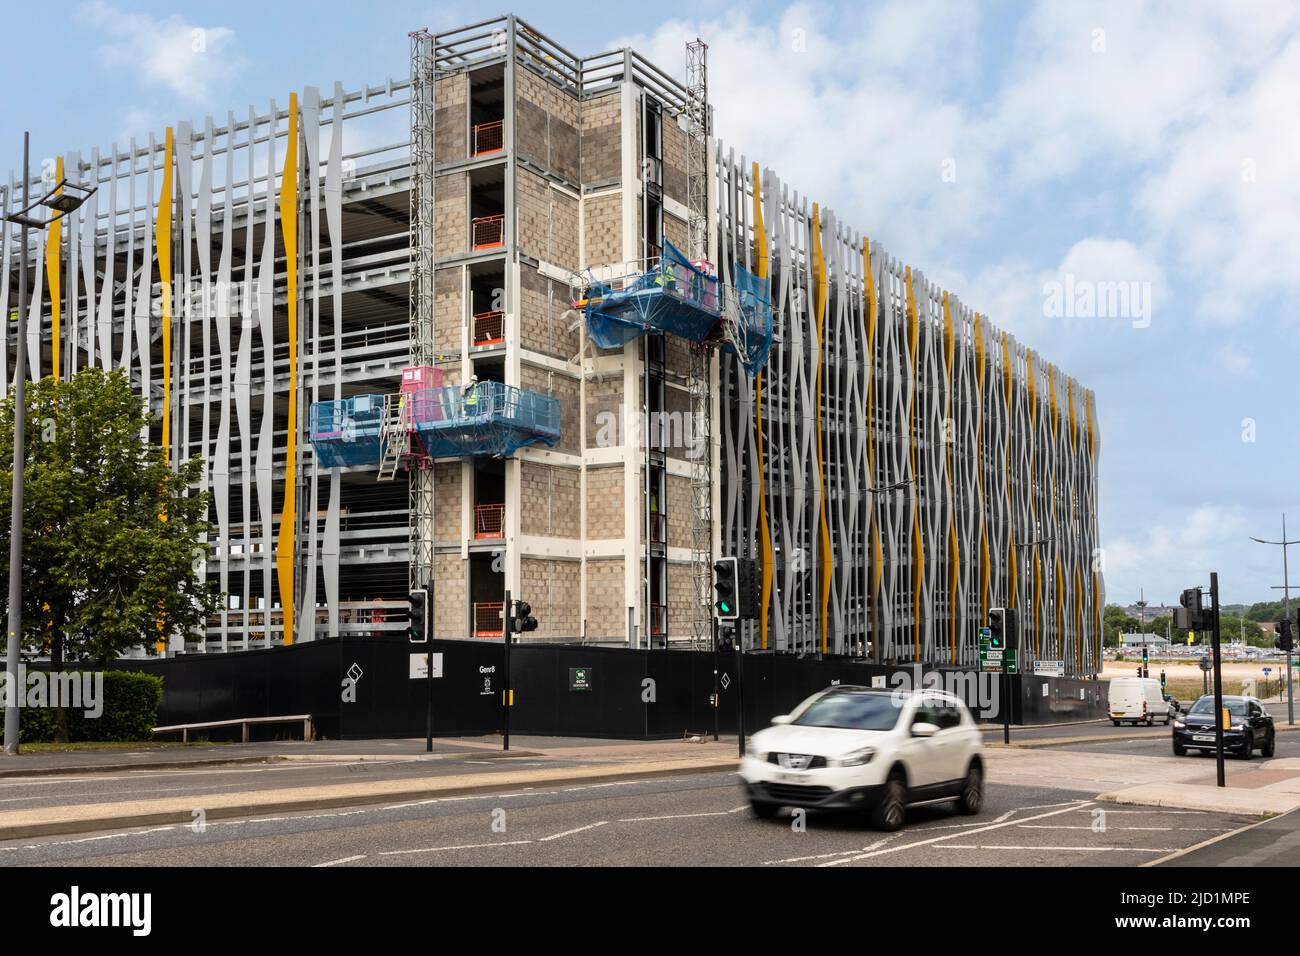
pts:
[697, 200]
[420, 474]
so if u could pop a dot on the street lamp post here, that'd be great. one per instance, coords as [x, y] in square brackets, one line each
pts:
[1286, 612]
[61, 203]
[16, 503]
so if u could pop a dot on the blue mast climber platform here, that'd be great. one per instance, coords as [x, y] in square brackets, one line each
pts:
[483, 419]
[679, 297]
[672, 295]
[347, 432]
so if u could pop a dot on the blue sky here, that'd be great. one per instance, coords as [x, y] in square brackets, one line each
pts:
[999, 148]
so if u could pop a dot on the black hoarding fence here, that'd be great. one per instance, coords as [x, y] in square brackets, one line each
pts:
[362, 687]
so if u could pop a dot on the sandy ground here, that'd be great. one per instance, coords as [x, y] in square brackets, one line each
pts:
[1231, 669]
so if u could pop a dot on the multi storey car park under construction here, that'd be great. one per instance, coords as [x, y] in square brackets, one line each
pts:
[520, 322]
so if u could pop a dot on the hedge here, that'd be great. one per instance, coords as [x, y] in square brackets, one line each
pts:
[130, 712]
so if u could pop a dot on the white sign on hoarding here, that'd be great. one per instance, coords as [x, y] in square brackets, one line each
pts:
[420, 666]
[1049, 668]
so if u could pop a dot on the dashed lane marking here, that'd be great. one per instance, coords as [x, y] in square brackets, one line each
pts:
[951, 836]
[556, 836]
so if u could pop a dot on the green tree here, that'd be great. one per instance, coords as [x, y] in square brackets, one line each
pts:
[112, 538]
[1114, 623]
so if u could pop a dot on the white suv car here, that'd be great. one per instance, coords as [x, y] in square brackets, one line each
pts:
[875, 751]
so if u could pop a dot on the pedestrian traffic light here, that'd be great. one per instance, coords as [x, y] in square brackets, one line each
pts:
[417, 616]
[522, 620]
[726, 585]
[998, 629]
[749, 588]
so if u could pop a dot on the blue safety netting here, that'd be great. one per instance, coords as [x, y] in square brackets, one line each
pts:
[346, 432]
[754, 315]
[487, 418]
[672, 296]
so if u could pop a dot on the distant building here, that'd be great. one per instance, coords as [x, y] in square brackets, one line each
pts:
[1136, 641]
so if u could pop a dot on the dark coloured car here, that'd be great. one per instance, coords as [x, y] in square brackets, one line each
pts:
[1249, 728]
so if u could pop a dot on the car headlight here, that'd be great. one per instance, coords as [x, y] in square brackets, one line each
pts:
[1179, 725]
[752, 751]
[858, 758]
[1238, 727]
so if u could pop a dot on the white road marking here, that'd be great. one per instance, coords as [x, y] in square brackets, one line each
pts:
[1041, 826]
[342, 860]
[674, 816]
[826, 856]
[464, 846]
[917, 843]
[556, 836]
[1079, 849]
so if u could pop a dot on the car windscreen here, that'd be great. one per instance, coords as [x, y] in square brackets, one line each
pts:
[1237, 708]
[851, 711]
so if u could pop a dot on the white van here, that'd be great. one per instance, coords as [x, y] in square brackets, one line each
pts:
[1138, 699]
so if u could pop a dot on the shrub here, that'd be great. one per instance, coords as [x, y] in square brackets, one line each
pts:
[130, 712]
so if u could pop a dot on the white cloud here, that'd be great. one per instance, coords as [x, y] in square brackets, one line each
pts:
[1234, 361]
[852, 108]
[192, 61]
[1166, 554]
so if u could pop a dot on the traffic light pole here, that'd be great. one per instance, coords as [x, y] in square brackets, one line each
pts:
[716, 702]
[428, 636]
[740, 689]
[508, 632]
[1218, 677]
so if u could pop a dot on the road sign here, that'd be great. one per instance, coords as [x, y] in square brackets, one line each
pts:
[1049, 668]
[1011, 661]
[1205, 664]
[420, 666]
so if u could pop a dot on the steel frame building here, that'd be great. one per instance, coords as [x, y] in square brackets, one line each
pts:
[899, 467]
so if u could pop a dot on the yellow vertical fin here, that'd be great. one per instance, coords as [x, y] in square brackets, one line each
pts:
[53, 261]
[764, 528]
[284, 550]
[821, 295]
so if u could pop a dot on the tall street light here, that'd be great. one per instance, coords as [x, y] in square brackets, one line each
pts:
[1286, 612]
[60, 202]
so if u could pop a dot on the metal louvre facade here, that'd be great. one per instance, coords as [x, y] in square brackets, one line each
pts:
[185, 270]
[901, 465]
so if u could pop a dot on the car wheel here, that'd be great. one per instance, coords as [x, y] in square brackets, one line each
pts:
[1115, 722]
[891, 809]
[1168, 720]
[1270, 746]
[1248, 749]
[1179, 750]
[972, 790]
[763, 810]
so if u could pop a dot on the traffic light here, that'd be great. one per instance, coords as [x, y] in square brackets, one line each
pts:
[522, 620]
[749, 588]
[1011, 628]
[726, 585]
[997, 629]
[1188, 617]
[417, 615]
[1284, 640]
